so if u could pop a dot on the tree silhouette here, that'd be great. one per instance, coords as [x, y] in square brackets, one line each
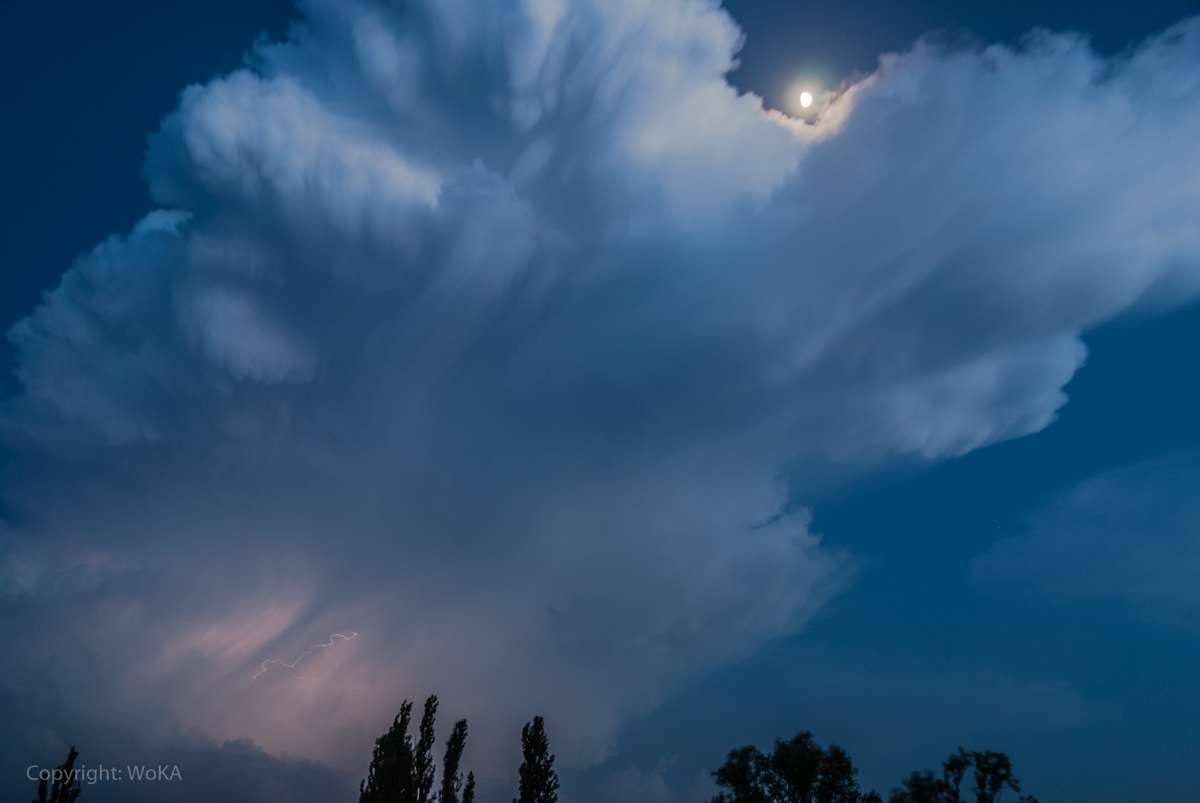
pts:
[469, 789]
[390, 776]
[64, 783]
[797, 771]
[452, 779]
[539, 782]
[742, 775]
[992, 775]
[403, 772]
[423, 771]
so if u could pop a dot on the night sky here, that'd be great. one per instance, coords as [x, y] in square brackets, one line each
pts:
[520, 346]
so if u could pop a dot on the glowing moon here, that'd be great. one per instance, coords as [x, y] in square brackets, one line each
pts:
[806, 99]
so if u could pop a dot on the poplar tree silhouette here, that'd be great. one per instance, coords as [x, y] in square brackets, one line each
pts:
[452, 779]
[539, 782]
[64, 786]
[423, 771]
[390, 776]
[469, 789]
[404, 772]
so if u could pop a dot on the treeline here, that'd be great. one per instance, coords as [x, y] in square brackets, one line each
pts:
[402, 770]
[796, 771]
[800, 771]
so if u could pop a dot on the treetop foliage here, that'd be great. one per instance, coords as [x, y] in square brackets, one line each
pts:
[452, 780]
[64, 783]
[796, 771]
[539, 782]
[404, 772]
[992, 775]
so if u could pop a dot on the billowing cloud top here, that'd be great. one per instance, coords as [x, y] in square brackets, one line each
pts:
[484, 329]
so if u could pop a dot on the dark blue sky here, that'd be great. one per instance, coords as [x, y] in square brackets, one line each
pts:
[941, 638]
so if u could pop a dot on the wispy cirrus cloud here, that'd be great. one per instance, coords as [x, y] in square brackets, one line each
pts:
[1131, 534]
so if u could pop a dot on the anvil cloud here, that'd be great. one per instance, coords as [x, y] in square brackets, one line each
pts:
[487, 329]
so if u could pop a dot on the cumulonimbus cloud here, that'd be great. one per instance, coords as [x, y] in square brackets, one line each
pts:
[483, 329]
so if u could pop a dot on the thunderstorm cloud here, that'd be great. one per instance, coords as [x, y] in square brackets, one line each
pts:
[486, 330]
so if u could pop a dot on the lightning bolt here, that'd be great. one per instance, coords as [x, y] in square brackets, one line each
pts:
[292, 665]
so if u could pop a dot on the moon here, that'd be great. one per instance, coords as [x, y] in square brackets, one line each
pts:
[806, 99]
